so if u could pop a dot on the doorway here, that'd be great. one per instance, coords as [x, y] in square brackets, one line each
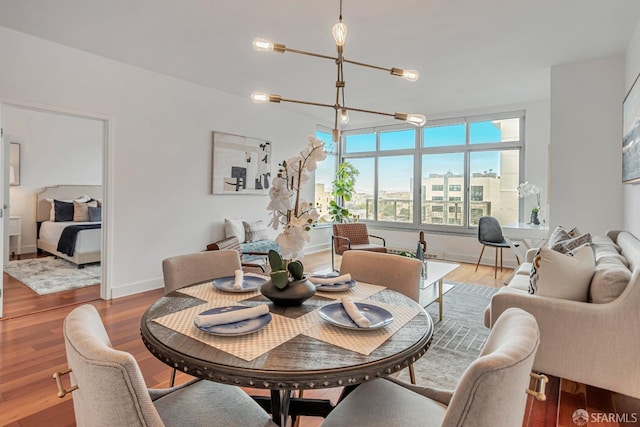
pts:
[57, 147]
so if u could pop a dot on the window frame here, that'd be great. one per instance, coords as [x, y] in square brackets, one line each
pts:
[419, 150]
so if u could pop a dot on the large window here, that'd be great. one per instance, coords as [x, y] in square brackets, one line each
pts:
[446, 175]
[324, 177]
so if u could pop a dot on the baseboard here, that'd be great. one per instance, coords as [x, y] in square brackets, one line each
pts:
[486, 259]
[135, 288]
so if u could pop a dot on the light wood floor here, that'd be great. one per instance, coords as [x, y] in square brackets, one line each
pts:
[32, 348]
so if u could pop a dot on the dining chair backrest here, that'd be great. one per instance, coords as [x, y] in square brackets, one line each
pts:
[184, 270]
[492, 390]
[111, 390]
[489, 230]
[402, 274]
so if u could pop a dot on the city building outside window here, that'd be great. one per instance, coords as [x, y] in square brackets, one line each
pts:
[446, 175]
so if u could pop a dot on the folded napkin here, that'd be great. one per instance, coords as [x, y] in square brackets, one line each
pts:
[330, 281]
[231, 316]
[355, 314]
[237, 283]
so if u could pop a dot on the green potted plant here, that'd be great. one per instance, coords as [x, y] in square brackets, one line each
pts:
[343, 187]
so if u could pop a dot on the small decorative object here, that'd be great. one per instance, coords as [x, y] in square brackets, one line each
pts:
[525, 189]
[288, 286]
[421, 254]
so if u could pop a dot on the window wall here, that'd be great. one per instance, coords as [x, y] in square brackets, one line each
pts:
[324, 176]
[443, 176]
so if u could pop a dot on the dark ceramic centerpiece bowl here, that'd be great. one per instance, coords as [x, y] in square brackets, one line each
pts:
[283, 290]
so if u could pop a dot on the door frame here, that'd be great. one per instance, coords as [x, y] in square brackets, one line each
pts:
[107, 174]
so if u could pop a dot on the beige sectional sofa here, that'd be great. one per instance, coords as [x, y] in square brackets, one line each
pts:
[597, 341]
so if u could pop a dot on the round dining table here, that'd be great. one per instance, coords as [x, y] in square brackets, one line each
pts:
[300, 351]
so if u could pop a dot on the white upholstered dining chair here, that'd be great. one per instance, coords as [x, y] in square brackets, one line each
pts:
[492, 391]
[109, 390]
[184, 270]
[399, 273]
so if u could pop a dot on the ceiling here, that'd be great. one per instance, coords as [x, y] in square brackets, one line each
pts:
[470, 54]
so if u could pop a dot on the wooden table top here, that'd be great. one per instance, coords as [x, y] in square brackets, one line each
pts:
[300, 363]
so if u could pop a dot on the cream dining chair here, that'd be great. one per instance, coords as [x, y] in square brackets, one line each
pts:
[399, 273]
[109, 390]
[184, 270]
[492, 391]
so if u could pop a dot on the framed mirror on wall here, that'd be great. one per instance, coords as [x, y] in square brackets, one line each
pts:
[14, 164]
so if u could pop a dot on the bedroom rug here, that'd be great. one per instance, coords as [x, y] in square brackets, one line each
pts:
[49, 275]
[457, 339]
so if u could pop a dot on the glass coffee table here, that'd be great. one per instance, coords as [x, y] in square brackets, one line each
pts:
[433, 287]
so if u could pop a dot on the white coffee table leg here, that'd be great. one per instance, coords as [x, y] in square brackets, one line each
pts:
[440, 299]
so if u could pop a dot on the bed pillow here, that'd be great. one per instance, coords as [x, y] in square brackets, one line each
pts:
[234, 227]
[563, 276]
[52, 212]
[255, 231]
[63, 211]
[95, 213]
[81, 210]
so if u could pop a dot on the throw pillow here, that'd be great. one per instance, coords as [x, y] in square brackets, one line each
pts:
[558, 235]
[563, 276]
[609, 281]
[255, 231]
[52, 213]
[95, 214]
[63, 211]
[234, 228]
[81, 210]
[566, 246]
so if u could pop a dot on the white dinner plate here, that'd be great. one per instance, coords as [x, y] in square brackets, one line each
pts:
[249, 283]
[242, 327]
[337, 315]
[339, 287]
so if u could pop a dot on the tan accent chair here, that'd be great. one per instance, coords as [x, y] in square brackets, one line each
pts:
[232, 243]
[111, 390]
[353, 236]
[184, 270]
[396, 272]
[491, 392]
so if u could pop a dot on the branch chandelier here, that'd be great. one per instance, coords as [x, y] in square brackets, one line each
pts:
[341, 109]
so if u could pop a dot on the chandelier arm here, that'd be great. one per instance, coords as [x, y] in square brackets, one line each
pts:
[317, 104]
[304, 52]
[361, 110]
[362, 64]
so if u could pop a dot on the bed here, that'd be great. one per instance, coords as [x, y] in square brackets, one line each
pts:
[83, 249]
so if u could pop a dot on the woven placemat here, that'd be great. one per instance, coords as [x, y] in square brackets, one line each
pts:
[208, 292]
[280, 330]
[360, 341]
[360, 291]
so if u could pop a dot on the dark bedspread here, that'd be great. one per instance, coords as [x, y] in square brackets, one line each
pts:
[69, 236]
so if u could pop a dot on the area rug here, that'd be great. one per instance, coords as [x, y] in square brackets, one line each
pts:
[49, 274]
[457, 339]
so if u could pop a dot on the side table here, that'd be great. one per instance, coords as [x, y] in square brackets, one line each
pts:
[15, 230]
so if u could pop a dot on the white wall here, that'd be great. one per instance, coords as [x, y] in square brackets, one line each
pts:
[467, 248]
[586, 141]
[54, 149]
[160, 156]
[632, 192]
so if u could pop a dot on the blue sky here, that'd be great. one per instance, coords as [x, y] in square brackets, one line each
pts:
[397, 172]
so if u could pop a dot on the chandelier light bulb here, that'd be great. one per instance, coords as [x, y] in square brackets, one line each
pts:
[339, 32]
[410, 75]
[262, 45]
[416, 119]
[344, 115]
[259, 97]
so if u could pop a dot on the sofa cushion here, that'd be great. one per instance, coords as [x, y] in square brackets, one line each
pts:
[520, 281]
[563, 276]
[609, 281]
[524, 269]
[234, 227]
[254, 231]
[606, 241]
